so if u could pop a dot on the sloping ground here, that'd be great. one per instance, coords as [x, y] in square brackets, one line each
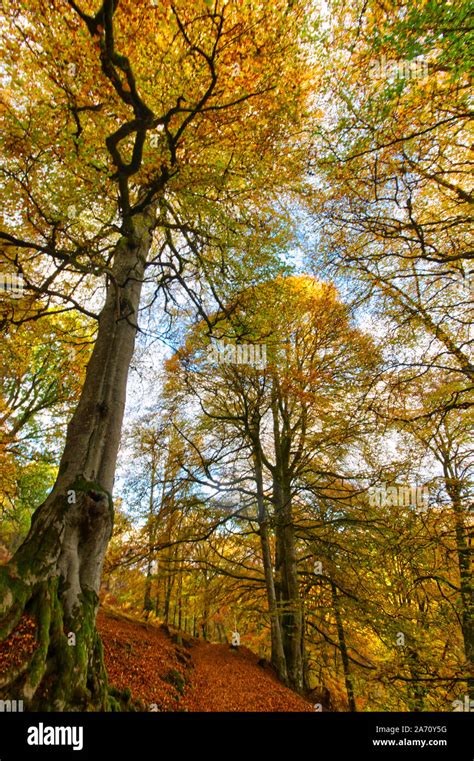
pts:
[142, 658]
[231, 680]
[168, 676]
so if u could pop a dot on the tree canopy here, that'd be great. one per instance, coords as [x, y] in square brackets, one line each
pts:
[236, 294]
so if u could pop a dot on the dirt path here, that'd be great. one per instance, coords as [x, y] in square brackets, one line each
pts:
[167, 676]
[228, 680]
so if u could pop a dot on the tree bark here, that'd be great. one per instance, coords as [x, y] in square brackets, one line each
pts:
[206, 607]
[343, 648]
[290, 598]
[147, 598]
[54, 577]
[278, 653]
[464, 555]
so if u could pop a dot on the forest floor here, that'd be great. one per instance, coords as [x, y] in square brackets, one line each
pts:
[167, 671]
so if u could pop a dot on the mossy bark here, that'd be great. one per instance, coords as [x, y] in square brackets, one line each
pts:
[65, 670]
[53, 579]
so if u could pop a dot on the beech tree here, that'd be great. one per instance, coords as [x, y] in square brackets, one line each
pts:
[395, 212]
[41, 372]
[445, 435]
[394, 208]
[140, 138]
[290, 417]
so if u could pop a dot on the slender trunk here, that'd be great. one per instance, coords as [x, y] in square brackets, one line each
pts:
[168, 588]
[343, 648]
[415, 690]
[206, 612]
[291, 609]
[158, 589]
[147, 600]
[53, 579]
[306, 671]
[180, 597]
[278, 652]
[464, 554]
[290, 602]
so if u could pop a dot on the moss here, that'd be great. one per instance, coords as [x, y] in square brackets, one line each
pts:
[38, 554]
[63, 653]
[122, 700]
[84, 684]
[81, 484]
[43, 613]
[58, 676]
[114, 704]
[175, 678]
[13, 597]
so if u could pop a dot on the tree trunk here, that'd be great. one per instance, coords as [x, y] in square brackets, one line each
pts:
[158, 588]
[464, 554]
[52, 582]
[168, 587]
[343, 648]
[416, 691]
[290, 600]
[206, 606]
[290, 604]
[180, 594]
[147, 599]
[278, 653]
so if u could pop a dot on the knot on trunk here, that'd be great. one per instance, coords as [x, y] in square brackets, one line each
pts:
[88, 523]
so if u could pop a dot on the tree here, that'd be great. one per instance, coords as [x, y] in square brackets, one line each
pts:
[446, 436]
[394, 210]
[41, 370]
[284, 418]
[395, 205]
[93, 196]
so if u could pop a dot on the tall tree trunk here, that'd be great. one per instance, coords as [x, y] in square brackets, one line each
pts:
[416, 692]
[464, 552]
[158, 588]
[278, 652]
[180, 593]
[343, 648]
[290, 604]
[206, 607]
[147, 599]
[290, 601]
[169, 580]
[53, 580]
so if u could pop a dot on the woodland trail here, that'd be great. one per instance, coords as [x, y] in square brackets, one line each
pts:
[195, 676]
[232, 680]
